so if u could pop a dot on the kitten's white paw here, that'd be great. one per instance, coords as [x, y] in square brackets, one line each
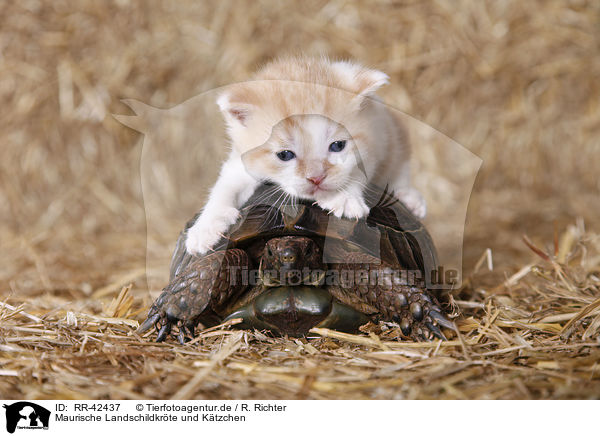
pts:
[414, 201]
[208, 229]
[344, 206]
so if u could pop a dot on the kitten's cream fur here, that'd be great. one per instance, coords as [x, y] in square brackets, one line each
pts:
[303, 105]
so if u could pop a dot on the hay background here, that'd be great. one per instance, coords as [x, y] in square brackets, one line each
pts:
[514, 82]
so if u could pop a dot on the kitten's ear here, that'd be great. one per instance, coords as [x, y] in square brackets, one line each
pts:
[371, 80]
[363, 81]
[234, 111]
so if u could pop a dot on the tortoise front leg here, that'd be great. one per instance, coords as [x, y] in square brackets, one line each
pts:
[373, 290]
[198, 293]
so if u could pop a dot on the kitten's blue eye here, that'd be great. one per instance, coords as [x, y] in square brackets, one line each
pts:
[286, 155]
[337, 146]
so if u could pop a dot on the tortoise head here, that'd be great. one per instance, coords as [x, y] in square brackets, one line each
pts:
[291, 260]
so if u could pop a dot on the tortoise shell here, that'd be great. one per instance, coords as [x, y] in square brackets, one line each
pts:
[390, 232]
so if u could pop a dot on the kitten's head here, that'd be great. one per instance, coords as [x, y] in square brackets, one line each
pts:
[305, 124]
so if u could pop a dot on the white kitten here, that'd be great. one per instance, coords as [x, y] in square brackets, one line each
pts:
[315, 128]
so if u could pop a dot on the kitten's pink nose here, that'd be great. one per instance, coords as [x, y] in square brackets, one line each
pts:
[316, 180]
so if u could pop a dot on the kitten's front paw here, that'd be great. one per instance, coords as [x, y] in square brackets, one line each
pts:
[208, 229]
[414, 201]
[347, 207]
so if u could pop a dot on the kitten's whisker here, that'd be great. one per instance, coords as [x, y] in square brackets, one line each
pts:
[268, 197]
[365, 186]
[384, 199]
[276, 205]
[279, 201]
[267, 194]
[285, 200]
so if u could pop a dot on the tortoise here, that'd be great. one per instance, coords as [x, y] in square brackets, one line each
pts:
[288, 266]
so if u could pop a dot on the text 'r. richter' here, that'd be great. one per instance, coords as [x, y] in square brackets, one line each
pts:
[269, 408]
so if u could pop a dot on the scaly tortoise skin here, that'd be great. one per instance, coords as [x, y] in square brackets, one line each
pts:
[282, 241]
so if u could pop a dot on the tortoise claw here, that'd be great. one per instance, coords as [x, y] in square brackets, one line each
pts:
[191, 328]
[181, 336]
[442, 320]
[435, 330]
[163, 332]
[148, 323]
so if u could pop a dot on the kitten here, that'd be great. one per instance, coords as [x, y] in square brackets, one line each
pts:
[315, 128]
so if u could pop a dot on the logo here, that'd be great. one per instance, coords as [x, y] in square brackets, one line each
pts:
[26, 415]
[178, 142]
